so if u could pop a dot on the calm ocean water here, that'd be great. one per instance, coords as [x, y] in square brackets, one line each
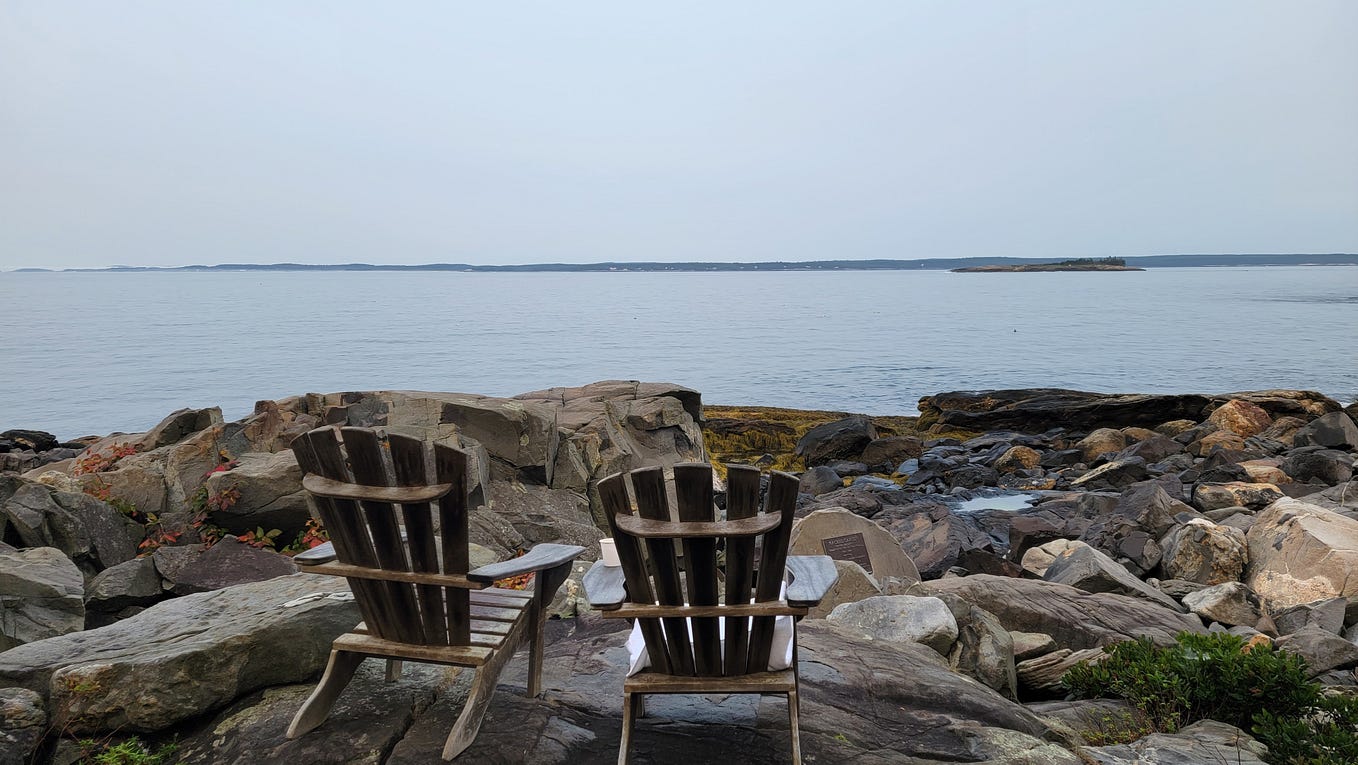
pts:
[92, 353]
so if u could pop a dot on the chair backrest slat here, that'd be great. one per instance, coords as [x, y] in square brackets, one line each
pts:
[408, 465]
[369, 533]
[782, 499]
[450, 466]
[693, 495]
[651, 567]
[742, 501]
[613, 494]
[649, 486]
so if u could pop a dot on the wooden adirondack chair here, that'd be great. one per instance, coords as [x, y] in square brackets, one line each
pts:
[418, 600]
[679, 601]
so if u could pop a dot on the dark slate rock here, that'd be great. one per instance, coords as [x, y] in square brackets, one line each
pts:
[839, 440]
[1336, 430]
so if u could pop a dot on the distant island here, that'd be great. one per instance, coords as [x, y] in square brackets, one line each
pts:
[923, 264]
[1078, 264]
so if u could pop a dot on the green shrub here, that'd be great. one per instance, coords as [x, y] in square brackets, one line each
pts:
[1219, 677]
[128, 752]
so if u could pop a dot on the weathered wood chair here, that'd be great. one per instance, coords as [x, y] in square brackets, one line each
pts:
[418, 600]
[700, 637]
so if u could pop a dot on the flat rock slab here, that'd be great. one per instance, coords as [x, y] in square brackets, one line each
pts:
[183, 657]
[1206, 741]
[1074, 618]
[861, 702]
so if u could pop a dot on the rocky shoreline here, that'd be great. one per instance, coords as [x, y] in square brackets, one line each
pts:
[145, 589]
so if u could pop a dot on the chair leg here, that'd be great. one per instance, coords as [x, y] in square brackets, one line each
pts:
[393, 670]
[793, 726]
[632, 708]
[535, 648]
[338, 672]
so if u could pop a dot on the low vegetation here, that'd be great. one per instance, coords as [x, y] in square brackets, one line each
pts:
[768, 436]
[1219, 676]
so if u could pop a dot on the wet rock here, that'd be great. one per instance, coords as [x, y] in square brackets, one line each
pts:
[1036, 410]
[41, 596]
[183, 657]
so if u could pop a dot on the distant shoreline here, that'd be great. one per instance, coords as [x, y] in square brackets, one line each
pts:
[926, 264]
[1040, 268]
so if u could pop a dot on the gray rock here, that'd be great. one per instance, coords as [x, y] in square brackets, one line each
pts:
[1074, 618]
[875, 482]
[856, 695]
[541, 514]
[183, 657]
[270, 495]
[1322, 650]
[1041, 676]
[984, 649]
[41, 596]
[1037, 559]
[1205, 741]
[1335, 430]
[1328, 466]
[900, 618]
[132, 583]
[180, 425]
[819, 480]
[1030, 645]
[1327, 615]
[23, 723]
[1230, 603]
[227, 563]
[1117, 474]
[852, 585]
[80, 526]
[1088, 569]
[1215, 496]
[1177, 588]
[839, 440]
[883, 454]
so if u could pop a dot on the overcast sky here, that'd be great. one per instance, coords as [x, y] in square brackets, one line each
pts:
[169, 133]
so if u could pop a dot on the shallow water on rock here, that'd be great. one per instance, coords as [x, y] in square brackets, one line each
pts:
[1019, 501]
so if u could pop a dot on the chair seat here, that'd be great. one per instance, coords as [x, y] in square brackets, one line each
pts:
[779, 681]
[496, 613]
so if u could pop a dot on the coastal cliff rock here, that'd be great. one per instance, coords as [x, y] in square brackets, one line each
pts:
[1036, 410]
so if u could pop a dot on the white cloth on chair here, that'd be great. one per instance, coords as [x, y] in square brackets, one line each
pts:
[780, 652]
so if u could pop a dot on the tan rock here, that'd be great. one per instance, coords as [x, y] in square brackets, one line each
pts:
[1138, 434]
[1102, 441]
[1175, 427]
[1214, 496]
[1037, 559]
[1266, 471]
[1241, 418]
[1018, 458]
[1221, 439]
[1204, 552]
[854, 584]
[1299, 553]
[885, 556]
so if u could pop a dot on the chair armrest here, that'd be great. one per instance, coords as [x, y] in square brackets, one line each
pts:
[323, 553]
[812, 577]
[605, 586]
[540, 558]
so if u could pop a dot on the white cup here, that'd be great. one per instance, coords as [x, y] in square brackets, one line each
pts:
[610, 552]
